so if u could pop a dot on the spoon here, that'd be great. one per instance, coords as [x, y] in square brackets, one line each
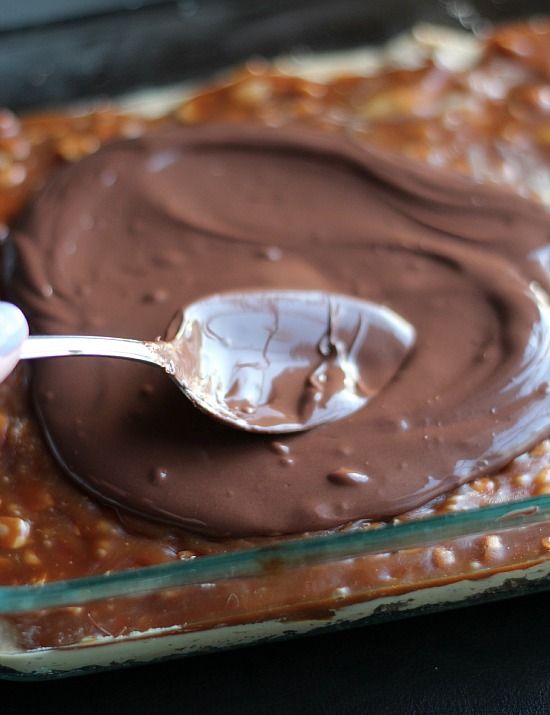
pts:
[260, 361]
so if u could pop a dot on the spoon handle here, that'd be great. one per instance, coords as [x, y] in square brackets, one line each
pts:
[13, 333]
[46, 346]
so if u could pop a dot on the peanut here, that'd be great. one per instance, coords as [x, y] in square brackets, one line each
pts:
[14, 532]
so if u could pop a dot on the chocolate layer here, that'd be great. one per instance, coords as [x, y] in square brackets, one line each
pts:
[118, 242]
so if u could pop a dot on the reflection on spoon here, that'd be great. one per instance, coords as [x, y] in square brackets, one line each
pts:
[285, 361]
[270, 362]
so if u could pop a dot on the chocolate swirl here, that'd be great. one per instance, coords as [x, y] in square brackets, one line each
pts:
[116, 243]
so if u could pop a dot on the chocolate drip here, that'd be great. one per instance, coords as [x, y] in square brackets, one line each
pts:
[196, 211]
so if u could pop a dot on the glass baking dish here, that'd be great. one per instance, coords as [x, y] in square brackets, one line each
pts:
[301, 585]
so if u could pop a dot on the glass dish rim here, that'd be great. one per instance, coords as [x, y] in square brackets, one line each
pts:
[256, 561]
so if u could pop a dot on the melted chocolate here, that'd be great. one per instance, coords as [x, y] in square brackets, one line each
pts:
[187, 212]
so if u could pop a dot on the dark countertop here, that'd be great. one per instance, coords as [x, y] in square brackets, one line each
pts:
[481, 660]
[119, 45]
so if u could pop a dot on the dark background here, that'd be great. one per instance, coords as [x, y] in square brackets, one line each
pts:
[52, 51]
[488, 659]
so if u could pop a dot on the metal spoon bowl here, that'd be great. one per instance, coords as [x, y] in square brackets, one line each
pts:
[260, 361]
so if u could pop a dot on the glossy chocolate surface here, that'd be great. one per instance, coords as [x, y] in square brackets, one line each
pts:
[118, 241]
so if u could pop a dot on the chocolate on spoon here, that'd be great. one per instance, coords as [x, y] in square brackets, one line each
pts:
[270, 362]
